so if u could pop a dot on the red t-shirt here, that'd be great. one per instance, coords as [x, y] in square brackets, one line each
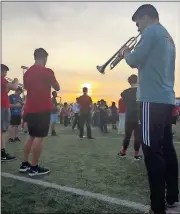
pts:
[121, 106]
[85, 102]
[4, 93]
[175, 111]
[38, 81]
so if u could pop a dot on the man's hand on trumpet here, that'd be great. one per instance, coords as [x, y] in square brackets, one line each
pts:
[125, 51]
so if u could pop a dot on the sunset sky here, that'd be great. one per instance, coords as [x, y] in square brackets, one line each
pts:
[78, 36]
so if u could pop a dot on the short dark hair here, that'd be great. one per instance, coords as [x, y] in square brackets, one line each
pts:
[85, 89]
[4, 67]
[40, 53]
[146, 9]
[132, 79]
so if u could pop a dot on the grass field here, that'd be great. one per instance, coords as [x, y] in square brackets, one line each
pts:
[88, 165]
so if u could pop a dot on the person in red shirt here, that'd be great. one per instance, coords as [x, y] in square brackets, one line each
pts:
[85, 105]
[38, 81]
[121, 107]
[5, 110]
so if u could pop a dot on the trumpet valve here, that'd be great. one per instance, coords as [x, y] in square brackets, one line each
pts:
[116, 61]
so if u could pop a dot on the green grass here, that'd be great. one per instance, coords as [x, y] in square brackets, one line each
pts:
[177, 130]
[89, 165]
[18, 199]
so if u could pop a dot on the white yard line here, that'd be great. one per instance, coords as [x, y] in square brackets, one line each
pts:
[101, 197]
[97, 196]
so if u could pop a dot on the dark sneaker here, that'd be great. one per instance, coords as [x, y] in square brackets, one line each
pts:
[138, 157]
[17, 139]
[38, 170]
[173, 204]
[81, 137]
[24, 167]
[91, 138]
[7, 157]
[121, 154]
[11, 140]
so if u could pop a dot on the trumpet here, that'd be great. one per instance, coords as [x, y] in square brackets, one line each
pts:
[117, 57]
[11, 81]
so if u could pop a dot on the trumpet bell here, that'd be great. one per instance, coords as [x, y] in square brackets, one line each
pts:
[101, 69]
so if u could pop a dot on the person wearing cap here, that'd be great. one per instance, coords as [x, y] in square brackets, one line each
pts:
[5, 110]
[154, 57]
[38, 81]
[16, 105]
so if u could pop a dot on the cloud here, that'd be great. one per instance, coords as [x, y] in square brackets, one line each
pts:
[77, 36]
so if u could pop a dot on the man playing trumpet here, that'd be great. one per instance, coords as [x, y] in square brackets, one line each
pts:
[154, 56]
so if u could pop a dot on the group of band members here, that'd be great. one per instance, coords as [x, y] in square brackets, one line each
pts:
[59, 112]
[38, 81]
[100, 114]
[82, 113]
[154, 57]
[38, 113]
[100, 111]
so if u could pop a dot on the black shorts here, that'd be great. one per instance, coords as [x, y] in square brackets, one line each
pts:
[38, 124]
[174, 120]
[15, 120]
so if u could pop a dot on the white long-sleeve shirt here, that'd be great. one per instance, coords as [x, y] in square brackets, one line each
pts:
[75, 108]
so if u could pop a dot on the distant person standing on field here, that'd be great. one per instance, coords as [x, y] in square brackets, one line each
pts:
[85, 105]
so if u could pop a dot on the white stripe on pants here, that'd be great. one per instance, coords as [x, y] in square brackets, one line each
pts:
[145, 124]
[121, 122]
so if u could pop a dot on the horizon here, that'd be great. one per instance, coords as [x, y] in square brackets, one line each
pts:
[78, 37]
